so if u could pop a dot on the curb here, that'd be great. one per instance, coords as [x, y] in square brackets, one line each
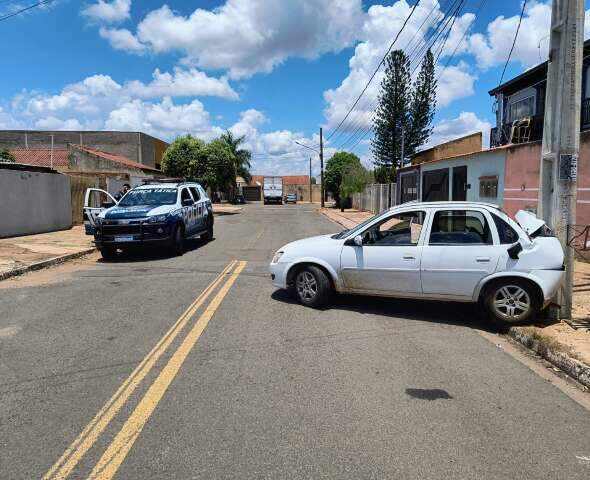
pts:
[574, 368]
[50, 262]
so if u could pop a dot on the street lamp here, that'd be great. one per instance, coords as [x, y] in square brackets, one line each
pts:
[321, 170]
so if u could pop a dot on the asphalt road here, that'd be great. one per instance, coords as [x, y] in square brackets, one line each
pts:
[98, 380]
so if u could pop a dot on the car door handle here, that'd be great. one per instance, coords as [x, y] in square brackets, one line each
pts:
[409, 257]
[483, 259]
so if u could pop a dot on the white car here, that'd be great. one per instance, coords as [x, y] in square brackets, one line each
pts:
[453, 251]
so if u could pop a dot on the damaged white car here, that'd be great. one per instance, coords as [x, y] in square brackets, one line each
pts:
[453, 251]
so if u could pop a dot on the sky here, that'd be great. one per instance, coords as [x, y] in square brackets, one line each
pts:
[274, 71]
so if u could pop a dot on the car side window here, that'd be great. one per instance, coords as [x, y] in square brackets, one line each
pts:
[185, 195]
[460, 227]
[401, 229]
[195, 193]
[506, 233]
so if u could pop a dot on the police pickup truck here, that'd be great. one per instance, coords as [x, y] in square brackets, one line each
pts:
[154, 213]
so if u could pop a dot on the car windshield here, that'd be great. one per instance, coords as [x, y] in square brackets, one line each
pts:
[359, 227]
[149, 196]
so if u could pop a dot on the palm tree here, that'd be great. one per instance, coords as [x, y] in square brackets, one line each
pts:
[241, 156]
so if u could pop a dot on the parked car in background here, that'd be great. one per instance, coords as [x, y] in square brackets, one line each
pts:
[291, 198]
[453, 251]
[163, 214]
[238, 200]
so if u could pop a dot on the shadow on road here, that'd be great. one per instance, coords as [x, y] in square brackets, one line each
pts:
[145, 253]
[450, 313]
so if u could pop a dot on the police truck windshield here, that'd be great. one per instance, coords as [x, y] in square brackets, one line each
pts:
[149, 196]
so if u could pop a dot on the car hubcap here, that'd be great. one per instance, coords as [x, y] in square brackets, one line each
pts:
[307, 287]
[512, 303]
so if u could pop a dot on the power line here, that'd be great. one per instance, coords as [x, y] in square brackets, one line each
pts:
[513, 42]
[376, 70]
[22, 10]
[452, 12]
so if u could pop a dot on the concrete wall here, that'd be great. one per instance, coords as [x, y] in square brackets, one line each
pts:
[460, 146]
[33, 202]
[482, 164]
[136, 146]
[522, 179]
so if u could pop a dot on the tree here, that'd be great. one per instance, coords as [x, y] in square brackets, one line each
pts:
[381, 174]
[423, 106]
[354, 180]
[6, 156]
[241, 156]
[403, 107]
[182, 152]
[336, 167]
[216, 169]
[392, 119]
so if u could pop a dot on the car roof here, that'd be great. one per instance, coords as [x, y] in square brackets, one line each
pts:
[447, 204]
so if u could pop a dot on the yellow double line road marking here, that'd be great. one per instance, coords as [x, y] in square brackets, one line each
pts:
[116, 452]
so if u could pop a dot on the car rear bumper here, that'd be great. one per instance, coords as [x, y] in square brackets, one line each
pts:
[550, 281]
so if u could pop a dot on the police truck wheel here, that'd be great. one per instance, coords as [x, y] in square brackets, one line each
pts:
[108, 253]
[208, 236]
[178, 241]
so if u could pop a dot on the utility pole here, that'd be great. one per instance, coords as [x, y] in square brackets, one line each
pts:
[322, 165]
[310, 190]
[561, 134]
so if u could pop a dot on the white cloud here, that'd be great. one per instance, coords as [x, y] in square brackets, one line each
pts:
[246, 37]
[464, 124]
[122, 39]
[183, 83]
[164, 119]
[381, 25]
[491, 48]
[108, 12]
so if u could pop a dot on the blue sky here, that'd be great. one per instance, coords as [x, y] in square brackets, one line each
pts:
[271, 70]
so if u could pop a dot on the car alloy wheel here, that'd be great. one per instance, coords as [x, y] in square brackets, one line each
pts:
[307, 286]
[512, 303]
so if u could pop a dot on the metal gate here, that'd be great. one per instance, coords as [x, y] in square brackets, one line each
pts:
[252, 194]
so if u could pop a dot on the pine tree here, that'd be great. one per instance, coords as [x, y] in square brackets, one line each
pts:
[403, 107]
[392, 115]
[423, 106]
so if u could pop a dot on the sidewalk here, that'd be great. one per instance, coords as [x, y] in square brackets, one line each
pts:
[559, 336]
[33, 252]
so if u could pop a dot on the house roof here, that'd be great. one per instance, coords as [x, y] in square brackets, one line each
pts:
[520, 81]
[41, 157]
[113, 157]
[287, 179]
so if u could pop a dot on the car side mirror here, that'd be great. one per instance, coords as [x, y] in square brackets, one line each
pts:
[358, 240]
[514, 250]
[187, 202]
[108, 204]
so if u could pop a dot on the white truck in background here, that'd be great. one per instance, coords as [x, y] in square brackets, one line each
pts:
[272, 190]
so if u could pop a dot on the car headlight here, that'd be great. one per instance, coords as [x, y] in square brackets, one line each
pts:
[277, 257]
[157, 219]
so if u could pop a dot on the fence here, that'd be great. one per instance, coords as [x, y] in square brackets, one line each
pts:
[375, 198]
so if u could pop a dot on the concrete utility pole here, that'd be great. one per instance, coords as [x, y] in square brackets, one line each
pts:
[561, 134]
[310, 190]
[322, 165]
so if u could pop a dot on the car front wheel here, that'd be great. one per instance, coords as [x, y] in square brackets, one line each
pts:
[512, 302]
[312, 286]
[108, 252]
[178, 241]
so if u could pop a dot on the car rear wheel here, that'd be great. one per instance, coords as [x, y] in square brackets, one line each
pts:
[512, 302]
[312, 286]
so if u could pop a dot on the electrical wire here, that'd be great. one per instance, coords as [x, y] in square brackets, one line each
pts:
[513, 42]
[376, 70]
[25, 9]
